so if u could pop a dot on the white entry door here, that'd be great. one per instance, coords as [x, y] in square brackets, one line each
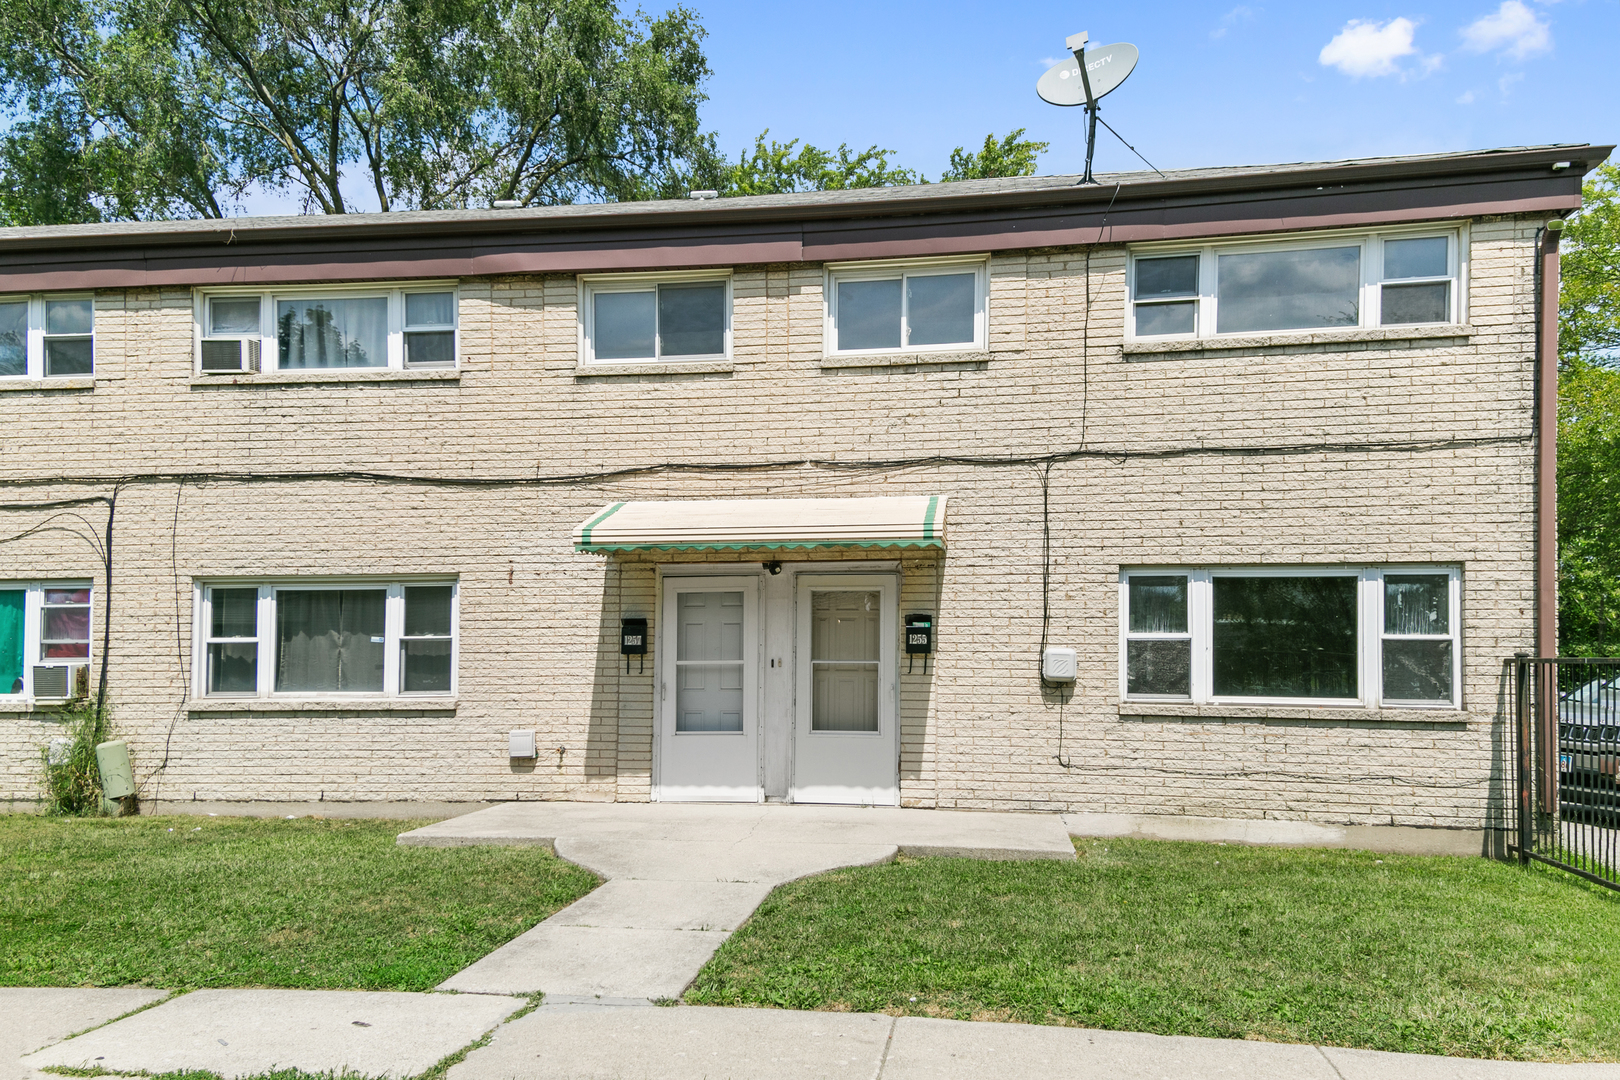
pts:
[846, 745]
[708, 691]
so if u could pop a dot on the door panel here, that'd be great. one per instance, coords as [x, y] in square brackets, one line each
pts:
[845, 729]
[708, 726]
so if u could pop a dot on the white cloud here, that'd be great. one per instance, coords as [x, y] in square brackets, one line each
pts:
[1466, 98]
[1506, 82]
[1241, 13]
[1511, 28]
[1369, 49]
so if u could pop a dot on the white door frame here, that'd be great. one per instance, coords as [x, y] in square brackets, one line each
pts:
[740, 751]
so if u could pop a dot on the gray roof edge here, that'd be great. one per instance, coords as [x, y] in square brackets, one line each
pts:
[956, 196]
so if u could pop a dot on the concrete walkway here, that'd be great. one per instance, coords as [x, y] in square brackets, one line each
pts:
[238, 1033]
[681, 877]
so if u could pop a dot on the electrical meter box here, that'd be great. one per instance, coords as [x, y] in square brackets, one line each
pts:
[919, 635]
[1059, 664]
[633, 637]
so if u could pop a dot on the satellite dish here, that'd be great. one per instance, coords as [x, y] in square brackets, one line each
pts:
[1106, 67]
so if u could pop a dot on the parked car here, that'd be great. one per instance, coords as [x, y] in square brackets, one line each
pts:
[1589, 752]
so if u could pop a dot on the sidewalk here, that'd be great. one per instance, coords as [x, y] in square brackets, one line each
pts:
[681, 877]
[238, 1033]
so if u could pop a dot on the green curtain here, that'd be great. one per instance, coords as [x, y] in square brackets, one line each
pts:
[11, 641]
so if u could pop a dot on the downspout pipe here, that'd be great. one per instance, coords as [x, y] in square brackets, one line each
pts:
[1547, 510]
[1547, 440]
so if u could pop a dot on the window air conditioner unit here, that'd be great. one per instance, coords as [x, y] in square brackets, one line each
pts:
[230, 355]
[61, 681]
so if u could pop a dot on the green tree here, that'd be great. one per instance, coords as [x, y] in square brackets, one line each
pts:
[1589, 423]
[165, 108]
[1012, 156]
[774, 168]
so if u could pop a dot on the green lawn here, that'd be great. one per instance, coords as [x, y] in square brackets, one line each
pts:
[1428, 955]
[212, 901]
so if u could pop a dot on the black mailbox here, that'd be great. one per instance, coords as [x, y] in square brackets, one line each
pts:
[633, 637]
[919, 635]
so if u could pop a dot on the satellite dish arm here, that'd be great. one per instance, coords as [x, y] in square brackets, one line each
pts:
[1091, 113]
[1085, 78]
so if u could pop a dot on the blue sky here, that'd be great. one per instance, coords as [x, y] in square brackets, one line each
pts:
[1218, 84]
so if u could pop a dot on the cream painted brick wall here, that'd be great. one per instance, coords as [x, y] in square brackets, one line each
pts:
[539, 622]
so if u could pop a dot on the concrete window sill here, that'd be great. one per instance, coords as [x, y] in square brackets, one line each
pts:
[1144, 350]
[65, 382]
[1186, 710]
[43, 711]
[907, 360]
[654, 369]
[322, 705]
[310, 378]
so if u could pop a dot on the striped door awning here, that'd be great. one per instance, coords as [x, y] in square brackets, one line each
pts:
[735, 524]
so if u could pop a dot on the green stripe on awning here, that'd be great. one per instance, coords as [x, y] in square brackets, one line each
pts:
[585, 532]
[889, 521]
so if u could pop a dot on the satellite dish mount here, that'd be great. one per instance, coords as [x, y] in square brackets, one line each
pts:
[1077, 45]
[1084, 81]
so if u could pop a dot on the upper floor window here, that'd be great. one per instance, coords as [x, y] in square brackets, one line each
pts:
[1381, 279]
[1328, 636]
[45, 337]
[45, 635]
[934, 306]
[671, 317]
[298, 330]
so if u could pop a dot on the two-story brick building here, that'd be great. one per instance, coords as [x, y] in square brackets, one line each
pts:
[1263, 446]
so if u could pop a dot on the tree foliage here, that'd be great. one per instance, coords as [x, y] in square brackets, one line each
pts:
[1589, 424]
[174, 108]
[1012, 156]
[1589, 265]
[774, 168]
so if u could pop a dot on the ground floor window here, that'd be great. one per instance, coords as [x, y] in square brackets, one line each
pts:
[306, 639]
[1330, 635]
[44, 639]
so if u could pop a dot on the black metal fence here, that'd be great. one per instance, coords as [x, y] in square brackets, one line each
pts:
[1567, 764]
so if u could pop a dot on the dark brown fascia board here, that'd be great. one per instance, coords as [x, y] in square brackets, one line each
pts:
[1431, 170]
[1516, 182]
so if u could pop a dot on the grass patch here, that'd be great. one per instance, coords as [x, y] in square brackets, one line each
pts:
[1425, 955]
[188, 902]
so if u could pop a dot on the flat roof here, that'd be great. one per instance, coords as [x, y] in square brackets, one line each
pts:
[920, 219]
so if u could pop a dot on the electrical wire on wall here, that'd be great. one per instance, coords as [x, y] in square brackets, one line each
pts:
[1046, 463]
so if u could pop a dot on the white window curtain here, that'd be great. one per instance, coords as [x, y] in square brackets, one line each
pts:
[330, 639]
[333, 333]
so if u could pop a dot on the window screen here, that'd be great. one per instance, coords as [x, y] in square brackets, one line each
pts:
[845, 647]
[425, 647]
[1289, 637]
[1158, 646]
[330, 639]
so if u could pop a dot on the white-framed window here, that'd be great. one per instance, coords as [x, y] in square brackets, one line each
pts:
[662, 318]
[318, 639]
[46, 630]
[1406, 277]
[47, 336]
[935, 305]
[1344, 636]
[332, 328]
